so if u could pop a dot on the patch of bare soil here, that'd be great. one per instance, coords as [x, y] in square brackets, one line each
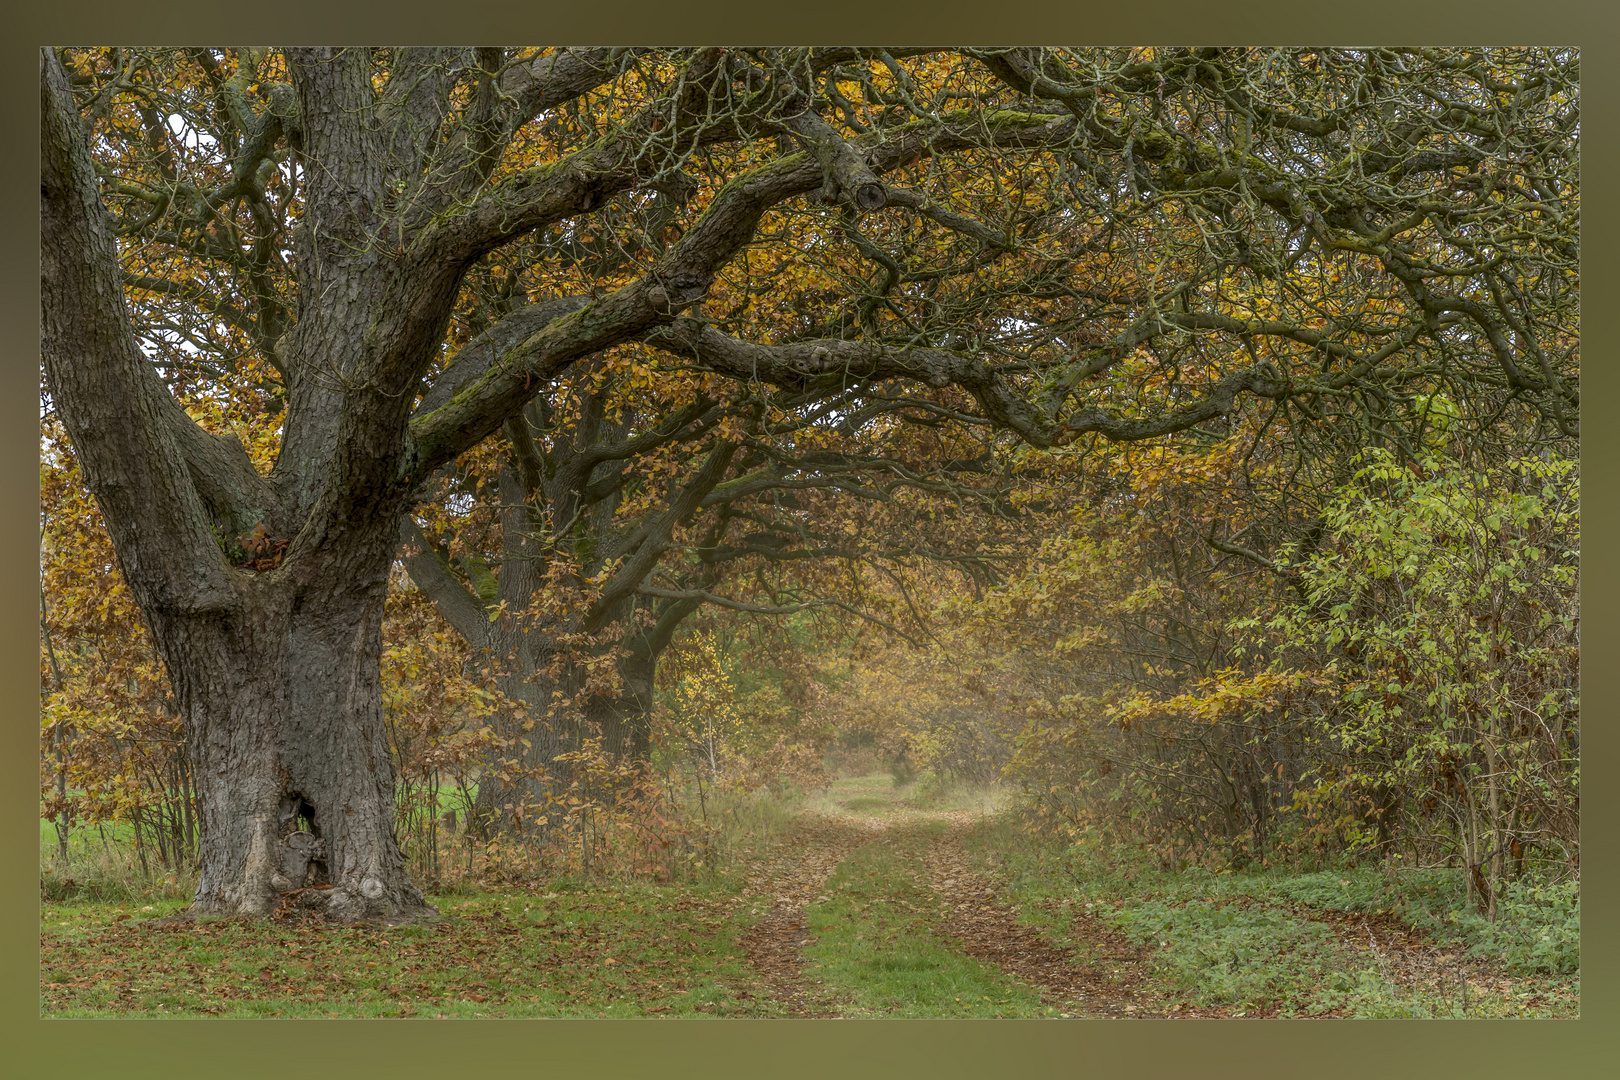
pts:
[784, 884]
[1111, 982]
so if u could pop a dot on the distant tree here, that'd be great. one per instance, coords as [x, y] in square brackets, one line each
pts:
[569, 559]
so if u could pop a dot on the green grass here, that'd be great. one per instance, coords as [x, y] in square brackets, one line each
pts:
[83, 836]
[876, 795]
[603, 947]
[110, 871]
[1538, 926]
[568, 948]
[625, 951]
[857, 794]
[1241, 940]
[874, 945]
[934, 792]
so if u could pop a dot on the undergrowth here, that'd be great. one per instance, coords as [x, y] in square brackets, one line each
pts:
[1248, 940]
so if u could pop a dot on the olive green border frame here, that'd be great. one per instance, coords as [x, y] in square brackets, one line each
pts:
[881, 1048]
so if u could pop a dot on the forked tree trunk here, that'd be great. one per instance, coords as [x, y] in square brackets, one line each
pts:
[276, 665]
[522, 657]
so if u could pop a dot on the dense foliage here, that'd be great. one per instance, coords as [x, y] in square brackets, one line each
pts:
[1404, 688]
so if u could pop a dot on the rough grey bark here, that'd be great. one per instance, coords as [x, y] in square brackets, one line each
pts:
[276, 672]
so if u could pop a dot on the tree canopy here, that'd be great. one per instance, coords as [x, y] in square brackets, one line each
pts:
[701, 297]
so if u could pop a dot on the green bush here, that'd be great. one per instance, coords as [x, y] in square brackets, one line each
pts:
[1537, 928]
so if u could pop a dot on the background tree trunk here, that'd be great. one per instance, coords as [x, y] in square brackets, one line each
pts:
[558, 722]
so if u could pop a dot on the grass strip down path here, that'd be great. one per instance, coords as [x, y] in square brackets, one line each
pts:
[875, 942]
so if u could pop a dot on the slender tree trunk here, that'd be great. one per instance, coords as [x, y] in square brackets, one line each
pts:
[58, 738]
[1479, 892]
[1498, 840]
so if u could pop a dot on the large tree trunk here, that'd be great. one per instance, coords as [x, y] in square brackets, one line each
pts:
[295, 783]
[275, 664]
[556, 710]
[546, 662]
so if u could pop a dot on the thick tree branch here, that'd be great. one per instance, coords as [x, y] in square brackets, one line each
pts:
[646, 147]
[105, 391]
[460, 608]
[837, 361]
[545, 82]
[476, 358]
[480, 405]
[847, 176]
[645, 547]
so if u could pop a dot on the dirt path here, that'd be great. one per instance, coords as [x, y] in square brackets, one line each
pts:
[991, 933]
[1111, 985]
[791, 878]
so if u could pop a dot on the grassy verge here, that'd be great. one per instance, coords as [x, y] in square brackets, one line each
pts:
[631, 950]
[110, 872]
[567, 947]
[873, 942]
[1263, 943]
[1249, 941]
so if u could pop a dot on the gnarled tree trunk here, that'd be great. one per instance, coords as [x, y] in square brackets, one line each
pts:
[542, 660]
[295, 782]
[264, 594]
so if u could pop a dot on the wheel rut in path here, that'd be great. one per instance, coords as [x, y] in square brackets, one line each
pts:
[1112, 985]
[785, 885]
